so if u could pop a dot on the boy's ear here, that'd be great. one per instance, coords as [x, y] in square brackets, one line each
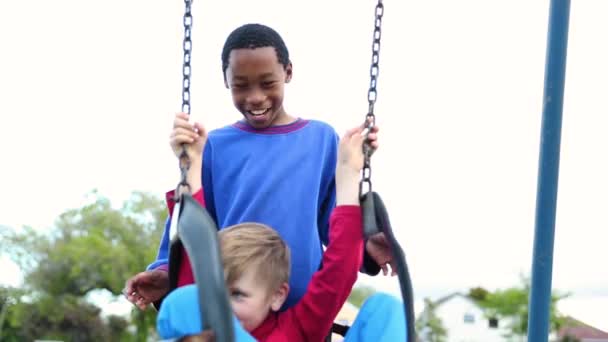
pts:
[288, 72]
[226, 82]
[279, 297]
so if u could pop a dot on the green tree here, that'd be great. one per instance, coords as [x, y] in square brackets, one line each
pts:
[9, 297]
[60, 318]
[429, 326]
[359, 294]
[569, 338]
[512, 304]
[478, 294]
[90, 248]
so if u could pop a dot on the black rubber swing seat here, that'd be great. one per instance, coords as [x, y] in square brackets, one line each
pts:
[197, 233]
[376, 220]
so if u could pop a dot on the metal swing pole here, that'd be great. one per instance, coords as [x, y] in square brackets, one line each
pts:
[548, 171]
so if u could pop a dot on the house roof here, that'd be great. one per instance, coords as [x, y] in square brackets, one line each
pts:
[580, 330]
[448, 297]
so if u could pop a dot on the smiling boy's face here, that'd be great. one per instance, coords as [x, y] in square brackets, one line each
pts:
[257, 80]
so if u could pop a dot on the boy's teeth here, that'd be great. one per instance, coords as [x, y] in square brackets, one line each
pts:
[258, 112]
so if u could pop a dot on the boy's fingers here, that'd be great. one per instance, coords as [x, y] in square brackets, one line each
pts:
[357, 139]
[347, 135]
[357, 136]
[142, 302]
[353, 133]
[384, 269]
[201, 131]
[366, 131]
[374, 144]
[181, 139]
[183, 131]
[182, 120]
[132, 297]
[183, 125]
[394, 267]
[128, 287]
[182, 115]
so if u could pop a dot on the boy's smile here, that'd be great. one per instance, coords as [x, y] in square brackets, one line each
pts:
[259, 116]
[256, 80]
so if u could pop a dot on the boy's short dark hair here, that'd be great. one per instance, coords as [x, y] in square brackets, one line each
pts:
[251, 36]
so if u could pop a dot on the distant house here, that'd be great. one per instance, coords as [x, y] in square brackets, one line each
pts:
[464, 321]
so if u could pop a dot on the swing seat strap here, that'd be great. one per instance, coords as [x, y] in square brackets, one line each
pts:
[197, 234]
[376, 220]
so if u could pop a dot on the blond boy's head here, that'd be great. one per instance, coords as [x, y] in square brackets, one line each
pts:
[254, 246]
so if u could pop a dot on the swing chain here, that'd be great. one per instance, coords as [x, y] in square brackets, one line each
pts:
[184, 160]
[372, 94]
[187, 45]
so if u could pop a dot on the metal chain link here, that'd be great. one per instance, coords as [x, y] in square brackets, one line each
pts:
[184, 160]
[187, 45]
[372, 94]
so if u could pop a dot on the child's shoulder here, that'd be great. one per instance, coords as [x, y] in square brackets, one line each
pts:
[322, 125]
[225, 132]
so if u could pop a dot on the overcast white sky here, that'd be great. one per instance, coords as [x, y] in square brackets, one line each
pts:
[88, 90]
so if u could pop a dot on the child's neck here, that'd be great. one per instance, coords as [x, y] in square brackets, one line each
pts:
[284, 119]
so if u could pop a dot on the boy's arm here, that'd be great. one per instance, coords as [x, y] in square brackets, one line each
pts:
[327, 206]
[328, 191]
[328, 202]
[207, 177]
[331, 285]
[162, 257]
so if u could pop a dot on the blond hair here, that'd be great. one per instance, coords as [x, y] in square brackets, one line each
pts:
[254, 246]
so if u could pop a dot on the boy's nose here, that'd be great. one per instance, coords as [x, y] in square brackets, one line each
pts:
[256, 97]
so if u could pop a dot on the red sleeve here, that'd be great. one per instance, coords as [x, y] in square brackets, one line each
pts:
[330, 286]
[185, 275]
[170, 198]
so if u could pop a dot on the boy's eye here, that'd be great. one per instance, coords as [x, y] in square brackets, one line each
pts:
[237, 294]
[268, 84]
[239, 86]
